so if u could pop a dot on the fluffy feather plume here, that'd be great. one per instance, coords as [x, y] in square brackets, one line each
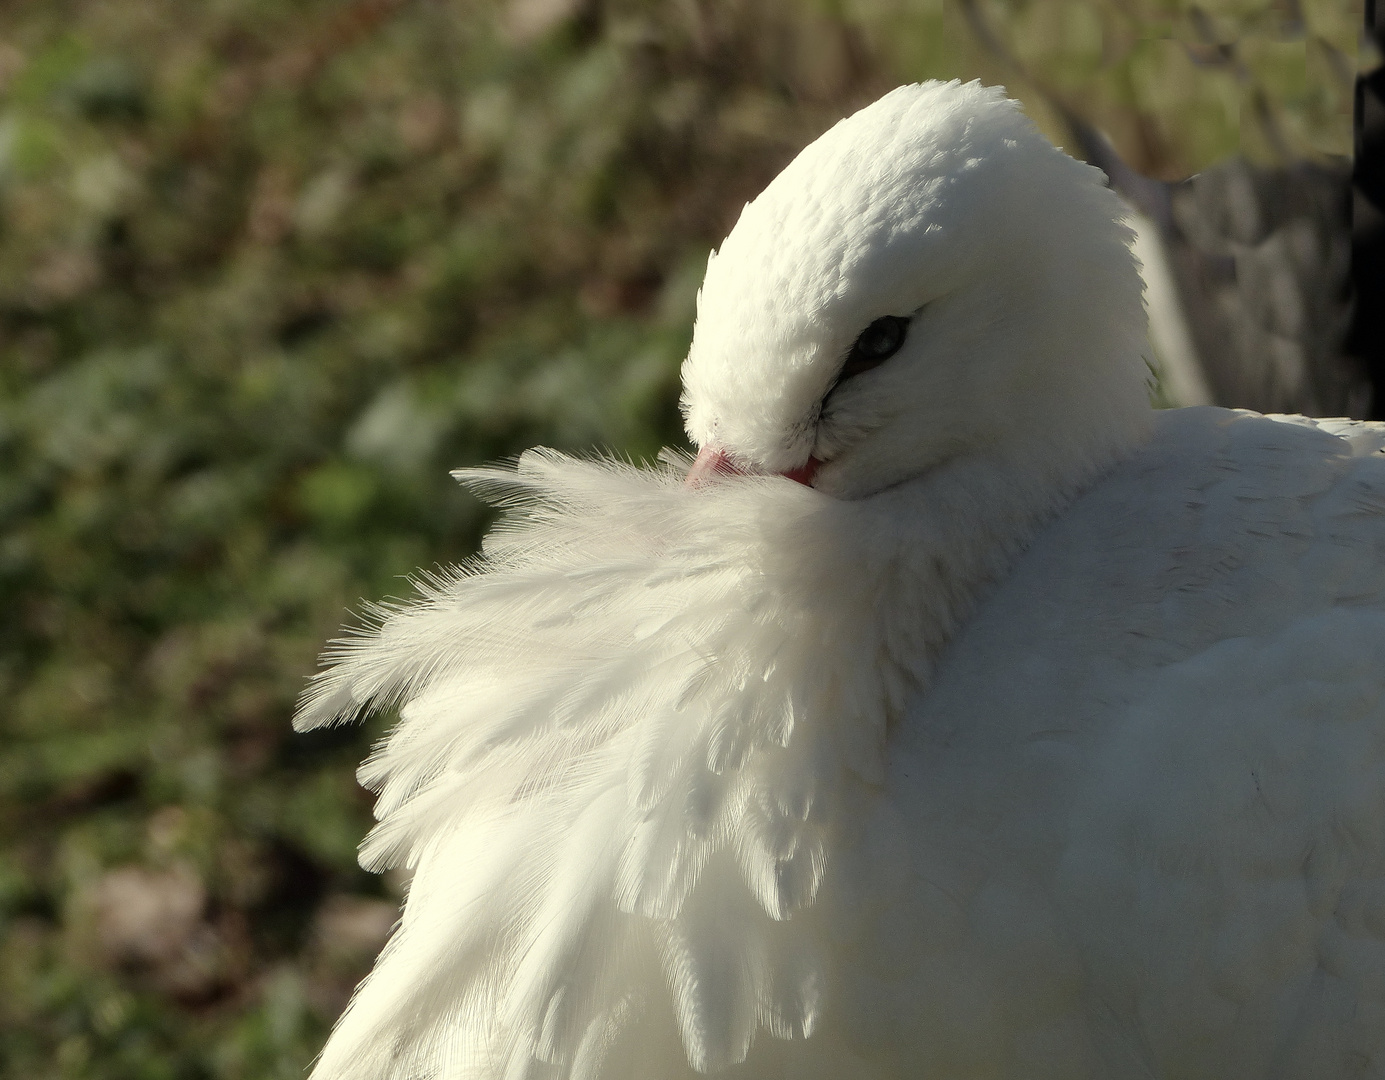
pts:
[624, 730]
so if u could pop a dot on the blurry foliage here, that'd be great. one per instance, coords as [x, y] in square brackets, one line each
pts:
[267, 270]
[1178, 86]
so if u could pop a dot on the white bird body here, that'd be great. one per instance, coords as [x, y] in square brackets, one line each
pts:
[1042, 736]
[1136, 825]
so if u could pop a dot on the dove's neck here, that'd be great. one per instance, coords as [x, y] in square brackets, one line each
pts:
[940, 542]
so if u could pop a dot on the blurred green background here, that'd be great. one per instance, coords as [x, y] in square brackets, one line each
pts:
[268, 268]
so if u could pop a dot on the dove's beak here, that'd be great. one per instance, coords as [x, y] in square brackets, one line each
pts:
[713, 461]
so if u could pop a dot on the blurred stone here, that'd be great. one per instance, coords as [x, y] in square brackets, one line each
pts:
[65, 274]
[167, 828]
[1263, 258]
[321, 201]
[151, 922]
[1259, 262]
[421, 122]
[103, 185]
[527, 20]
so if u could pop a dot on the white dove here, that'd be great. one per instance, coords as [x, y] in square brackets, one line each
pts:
[1030, 734]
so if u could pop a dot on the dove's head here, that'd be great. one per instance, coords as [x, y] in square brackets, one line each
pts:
[930, 279]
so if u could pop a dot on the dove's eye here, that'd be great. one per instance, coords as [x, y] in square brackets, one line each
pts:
[878, 342]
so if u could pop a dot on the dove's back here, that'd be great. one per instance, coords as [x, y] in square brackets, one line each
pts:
[1136, 826]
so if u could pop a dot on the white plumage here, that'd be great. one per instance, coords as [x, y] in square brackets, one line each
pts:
[1041, 737]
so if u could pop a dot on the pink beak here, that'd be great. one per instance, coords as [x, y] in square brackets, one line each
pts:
[714, 461]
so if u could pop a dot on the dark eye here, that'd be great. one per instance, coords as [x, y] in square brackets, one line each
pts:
[878, 342]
